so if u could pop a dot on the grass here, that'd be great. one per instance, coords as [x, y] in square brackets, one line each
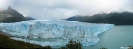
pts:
[6, 42]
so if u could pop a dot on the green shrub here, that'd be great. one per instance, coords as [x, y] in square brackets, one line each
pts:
[73, 45]
[103, 48]
[130, 47]
[6, 42]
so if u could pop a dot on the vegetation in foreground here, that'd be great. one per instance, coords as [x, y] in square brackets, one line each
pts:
[73, 45]
[76, 45]
[6, 42]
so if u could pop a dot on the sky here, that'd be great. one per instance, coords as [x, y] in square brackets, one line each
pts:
[62, 9]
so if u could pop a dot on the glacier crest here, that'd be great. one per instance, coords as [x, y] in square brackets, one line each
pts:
[62, 31]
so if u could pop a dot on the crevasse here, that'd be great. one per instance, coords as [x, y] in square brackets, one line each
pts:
[46, 32]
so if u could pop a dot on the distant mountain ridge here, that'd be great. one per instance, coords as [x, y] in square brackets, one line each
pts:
[29, 18]
[11, 15]
[117, 18]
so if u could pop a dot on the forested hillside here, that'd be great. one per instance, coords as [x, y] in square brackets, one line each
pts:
[117, 18]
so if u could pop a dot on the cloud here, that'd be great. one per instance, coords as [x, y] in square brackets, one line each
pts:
[5, 3]
[61, 9]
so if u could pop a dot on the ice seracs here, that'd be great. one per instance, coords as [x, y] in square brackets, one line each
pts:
[56, 32]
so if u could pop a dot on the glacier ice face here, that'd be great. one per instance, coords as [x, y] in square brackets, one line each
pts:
[56, 32]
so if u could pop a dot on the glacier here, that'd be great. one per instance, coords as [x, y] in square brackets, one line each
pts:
[55, 33]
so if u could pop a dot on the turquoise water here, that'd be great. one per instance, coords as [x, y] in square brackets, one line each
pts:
[119, 36]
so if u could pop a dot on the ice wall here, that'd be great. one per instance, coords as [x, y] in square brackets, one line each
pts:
[86, 33]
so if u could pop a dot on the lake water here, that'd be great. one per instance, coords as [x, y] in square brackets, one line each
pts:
[119, 36]
[115, 38]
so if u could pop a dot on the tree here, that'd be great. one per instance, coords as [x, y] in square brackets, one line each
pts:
[103, 48]
[73, 45]
[130, 47]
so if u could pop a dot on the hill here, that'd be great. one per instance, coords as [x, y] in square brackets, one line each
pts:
[29, 18]
[11, 15]
[117, 18]
[6, 42]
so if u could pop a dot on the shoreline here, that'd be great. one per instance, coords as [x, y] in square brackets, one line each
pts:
[2, 33]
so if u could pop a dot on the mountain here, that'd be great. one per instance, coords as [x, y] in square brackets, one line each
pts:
[117, 18]
[77, 18]
[29, 18]
[11, 15]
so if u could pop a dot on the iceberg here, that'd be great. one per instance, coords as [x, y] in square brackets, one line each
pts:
[53, 33]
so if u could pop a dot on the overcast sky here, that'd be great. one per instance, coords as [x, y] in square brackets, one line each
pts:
[61, 9]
